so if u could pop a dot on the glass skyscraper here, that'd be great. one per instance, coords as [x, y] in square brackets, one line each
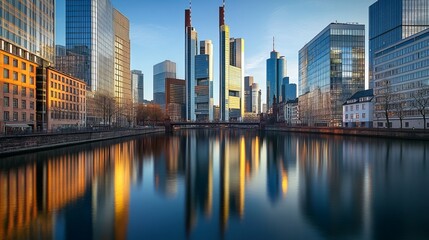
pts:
[29, 25]
[161, 71]
[390, 21]
[90, 33]
[137, 79]
[204, 82]
[276, 71]
[248, 82]
[331, 69]
[191, 46]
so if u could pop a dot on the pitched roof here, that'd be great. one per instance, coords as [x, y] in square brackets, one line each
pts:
[359, 95]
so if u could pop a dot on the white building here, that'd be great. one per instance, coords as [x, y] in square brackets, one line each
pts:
[358, 109]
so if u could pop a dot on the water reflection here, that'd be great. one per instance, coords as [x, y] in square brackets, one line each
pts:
[233, 184]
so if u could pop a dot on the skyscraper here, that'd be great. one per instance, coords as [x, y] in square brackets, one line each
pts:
[161, 71]
[248, 82]
[137, 79]
[122, 65]
[390, 21]
[191, 45]
[331, 69]
[288, 90]
[256, 98]
[276, 71]
[231, 68]
[175, 95]
[204, 82]
[90, 33]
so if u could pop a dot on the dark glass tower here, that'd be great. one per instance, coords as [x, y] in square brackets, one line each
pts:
[276, 71]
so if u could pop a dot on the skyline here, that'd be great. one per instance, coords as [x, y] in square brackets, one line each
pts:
[156, 29]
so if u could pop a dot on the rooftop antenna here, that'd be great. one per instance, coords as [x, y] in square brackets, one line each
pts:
[274, 49]
[190, 4]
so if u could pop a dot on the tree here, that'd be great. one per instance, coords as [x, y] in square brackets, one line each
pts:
[421, 102]
[385, 100]
[399, 106]
[149, 112]
[105, 105]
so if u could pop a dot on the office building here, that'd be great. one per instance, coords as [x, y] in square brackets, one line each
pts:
[276, 72]
[288, 90]
[90, 32]
[390, 21]
[122, 73]
[162, 71]
[358, 109]
[401, 85]
[331, 69]
[204, 82]
[175, 99]
[191, 46]
[248, 83]
[29, 26]
[231, 72]
[65, 104]
[18, 94]
[256, 95]
[70, 62]
[137, 79]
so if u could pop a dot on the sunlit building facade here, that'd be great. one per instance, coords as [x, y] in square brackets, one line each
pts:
[90, 32]
[331, 69]
[401, 83]
[390, 21]
[137, 79]
[162, 71]
[204, 82]
[175, 99]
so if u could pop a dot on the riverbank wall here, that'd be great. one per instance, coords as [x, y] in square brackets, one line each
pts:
[12, 145]
[409, 134]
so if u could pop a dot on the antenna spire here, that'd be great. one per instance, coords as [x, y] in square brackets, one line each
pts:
[190, 4]
[223, 3]
[274, 44]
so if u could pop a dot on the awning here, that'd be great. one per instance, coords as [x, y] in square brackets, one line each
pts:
[17, 125]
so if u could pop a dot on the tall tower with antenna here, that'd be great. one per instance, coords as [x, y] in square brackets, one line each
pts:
[191, 46]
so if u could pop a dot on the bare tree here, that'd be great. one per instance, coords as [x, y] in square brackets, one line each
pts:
[399, 106]
[105, 107]
[385, 100]
[421, 102]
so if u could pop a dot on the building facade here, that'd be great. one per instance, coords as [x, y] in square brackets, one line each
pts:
[191, 46]
[390, 21]
[401, 83]
[358, 110]
[18, 94]
[248, 83]
[175, 99]
[162, 71]
[90, 33]
[231, 72]
[137, 79]
[29, 25]
[204, 82]
[65, 105]
[276, 71]
[331, 69]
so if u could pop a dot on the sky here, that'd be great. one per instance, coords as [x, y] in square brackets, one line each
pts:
[157, 30]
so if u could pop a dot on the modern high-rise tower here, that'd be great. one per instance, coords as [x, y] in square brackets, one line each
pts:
[390, 21]
[191, 46]
[276, 71]
[162, 71]
[204, 82]
[137, 79]
[231, 72]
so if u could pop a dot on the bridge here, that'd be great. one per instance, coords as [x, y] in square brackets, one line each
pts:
[169, 126]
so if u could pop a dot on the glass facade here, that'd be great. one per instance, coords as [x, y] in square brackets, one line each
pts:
[401, 75]
[331, 69]
[204, 82]
[137, 79]
[30, 25]
[276, 71]
[161, 71]
[175, 98]
[90, 33]
[248, 82]
[191, 46]
[390, 21]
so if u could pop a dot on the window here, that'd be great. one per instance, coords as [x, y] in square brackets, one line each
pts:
[351, 108]
[347, 108]
[6, 116]
[15, 102]
[31, 105]
[347, 116]
[23, 78]
[15, 116]
[379, 124]
[31, 80]
[6, 60]
[31, 117]
[15, 62]
[6, 102]
[23, 91]
[24, 117]
[363, 115]
[15, 89]
[31, 68]
[357, 107]
[31, 92]
[23, 104]
[6, 87]
[15, 76]
[363, 106]
[6, 73]
[351, 116]
[23, 66]
[407, 124]
[357, 115]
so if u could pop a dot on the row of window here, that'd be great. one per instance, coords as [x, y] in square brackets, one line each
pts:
[357, 116]
[65, 106]
[6, 103]
[6, 89]
[6, 75]
[402, 61]
[66, 115]
[65, 80]
[403, 69]
[6, 61]
[66, 97]
[7, 117]
[66, 88]
[352, 107]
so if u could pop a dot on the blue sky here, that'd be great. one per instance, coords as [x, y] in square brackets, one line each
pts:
[157, 30]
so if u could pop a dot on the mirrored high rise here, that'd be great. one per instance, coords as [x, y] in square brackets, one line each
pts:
[191, 45]
[204, 82]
